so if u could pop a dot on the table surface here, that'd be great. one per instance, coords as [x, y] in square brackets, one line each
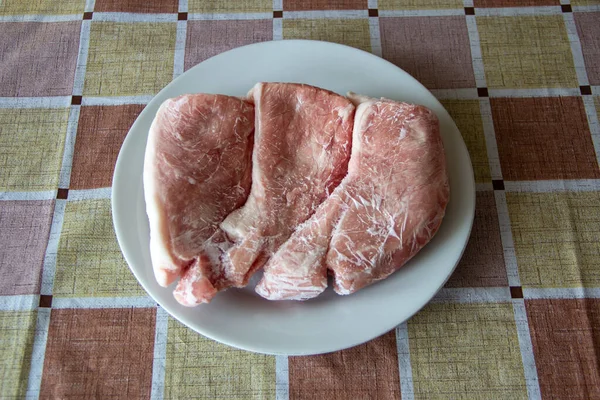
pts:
[520, 318]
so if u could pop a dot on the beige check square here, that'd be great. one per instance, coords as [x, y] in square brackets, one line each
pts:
[419, 5]
[351, 32]
[556, 238]
[48, 7]
[224, 7]
[31, 148]
[16, 342]
[466, 351]
[467, 116]
[89, 262]
[127, 59]
[585, 2]
[197, 367]
[525, 52]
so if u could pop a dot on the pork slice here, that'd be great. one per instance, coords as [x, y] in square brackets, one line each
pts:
[301, 151]
[386, 209]
[196, 171]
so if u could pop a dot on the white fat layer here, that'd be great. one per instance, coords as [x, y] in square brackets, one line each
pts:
[159, 252]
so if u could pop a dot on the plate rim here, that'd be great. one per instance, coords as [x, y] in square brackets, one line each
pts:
[115, 209]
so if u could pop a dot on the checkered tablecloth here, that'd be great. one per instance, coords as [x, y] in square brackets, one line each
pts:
[519, 319]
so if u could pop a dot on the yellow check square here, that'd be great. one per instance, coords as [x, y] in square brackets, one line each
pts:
[48, 7]
[89, 262]
[31, 148]
[127, 59]
[556, 238]
[225, 7]
[467, 116]
[526, 52]
[198, 367]
[351, 32]
[466, 351]
[16, 342]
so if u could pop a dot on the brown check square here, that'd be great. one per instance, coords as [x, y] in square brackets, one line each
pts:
[544, 138]
[482, 263]
[368, 371]
[100, 134]
[565, 334]
[99, 354]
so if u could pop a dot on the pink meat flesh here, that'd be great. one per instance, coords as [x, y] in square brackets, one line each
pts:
[386, 209]
[196, 171]
[301, 151]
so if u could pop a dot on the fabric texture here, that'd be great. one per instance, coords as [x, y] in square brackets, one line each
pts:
[519, 318]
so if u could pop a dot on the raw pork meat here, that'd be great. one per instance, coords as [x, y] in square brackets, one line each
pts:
[386, 209]
[196, 171]
[301, 151]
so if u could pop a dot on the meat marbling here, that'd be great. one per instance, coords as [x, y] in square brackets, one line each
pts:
[301, 149]
[196, 171]
[386, 209]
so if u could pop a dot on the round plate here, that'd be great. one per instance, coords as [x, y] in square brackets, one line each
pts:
[241, 318]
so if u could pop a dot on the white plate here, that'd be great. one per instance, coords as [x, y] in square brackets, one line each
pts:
[239, 317]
